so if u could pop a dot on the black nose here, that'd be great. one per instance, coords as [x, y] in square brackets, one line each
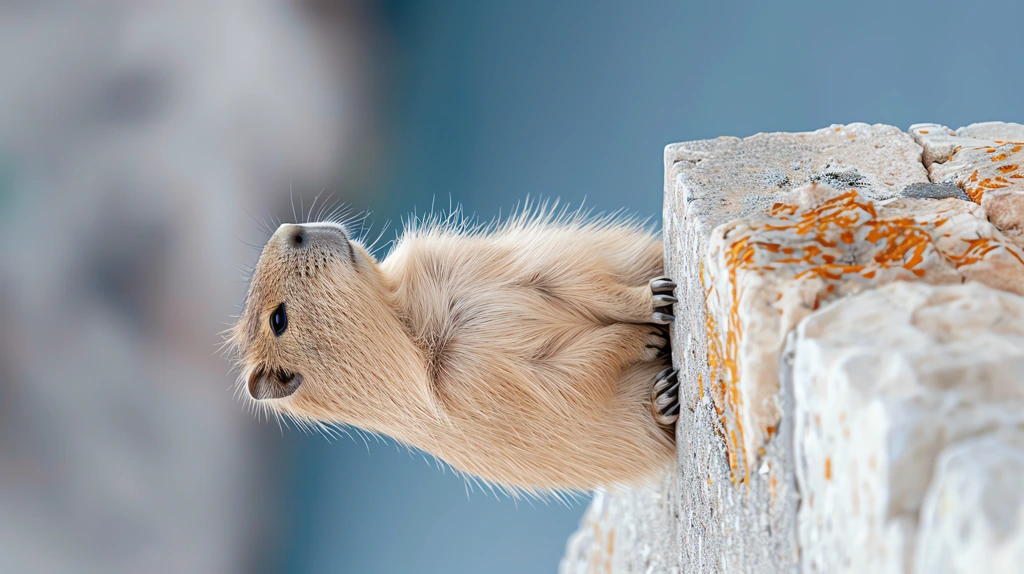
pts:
[321, 235]
[273, 383]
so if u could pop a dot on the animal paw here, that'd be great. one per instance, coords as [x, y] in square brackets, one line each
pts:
[665, 397]
[658, 343]
[662, 300]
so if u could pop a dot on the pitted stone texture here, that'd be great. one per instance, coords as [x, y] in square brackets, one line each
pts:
[726, 178]
[986, 161]
[626, 533]
[972, 519]
[885, 382]
[750, 527]
[765, 272]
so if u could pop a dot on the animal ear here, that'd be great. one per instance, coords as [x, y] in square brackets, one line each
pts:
[272, 383]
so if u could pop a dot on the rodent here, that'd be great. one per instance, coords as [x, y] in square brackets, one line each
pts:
[532, 353]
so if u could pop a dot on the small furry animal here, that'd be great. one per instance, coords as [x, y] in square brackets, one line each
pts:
[532, 353]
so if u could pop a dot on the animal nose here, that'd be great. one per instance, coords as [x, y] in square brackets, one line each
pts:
[299, 236]
[294, 235]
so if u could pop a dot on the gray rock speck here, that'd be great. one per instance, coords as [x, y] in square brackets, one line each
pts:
[840, 178]
[775, 176]
[934, 191]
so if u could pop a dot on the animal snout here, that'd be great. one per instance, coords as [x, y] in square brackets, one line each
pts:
[273, 383]
[324, 234]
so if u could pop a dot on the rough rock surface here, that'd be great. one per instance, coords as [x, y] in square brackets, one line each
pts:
[884, 383]
[628, 532]
[760, 233]
[763, 273]
[985, 160]
[972, 518]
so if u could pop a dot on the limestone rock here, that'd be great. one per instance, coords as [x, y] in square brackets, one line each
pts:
[985, 160]
[709, 183]
[731, 177]
[884, 382]
[972, 518]
[841, 231]
[626, 533]
[764, 273]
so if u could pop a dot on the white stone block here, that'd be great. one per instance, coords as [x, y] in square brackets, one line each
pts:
[972, 518]
[765, 272]
[746, 522]
[909, 348]
[883, 382]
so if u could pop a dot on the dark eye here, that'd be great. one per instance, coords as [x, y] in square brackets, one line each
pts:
[279, 320]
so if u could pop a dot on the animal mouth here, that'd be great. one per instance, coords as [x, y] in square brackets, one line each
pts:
[273, 383]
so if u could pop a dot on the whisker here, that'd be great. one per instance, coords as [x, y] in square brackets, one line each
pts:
[291, 198]
[312, 206]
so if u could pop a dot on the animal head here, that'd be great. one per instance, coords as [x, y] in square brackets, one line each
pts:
[303, 341]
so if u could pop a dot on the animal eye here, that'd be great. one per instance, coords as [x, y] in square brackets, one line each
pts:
[279, 320]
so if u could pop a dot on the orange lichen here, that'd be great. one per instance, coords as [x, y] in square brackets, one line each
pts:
[828, 468]
[830, 234]
[977, 192]
[924, 131]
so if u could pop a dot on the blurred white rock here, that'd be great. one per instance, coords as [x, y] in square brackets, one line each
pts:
[134, 140]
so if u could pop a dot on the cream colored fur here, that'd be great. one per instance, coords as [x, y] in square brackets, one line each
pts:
[518, 353]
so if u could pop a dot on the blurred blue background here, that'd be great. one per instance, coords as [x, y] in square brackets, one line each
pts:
[137, 138]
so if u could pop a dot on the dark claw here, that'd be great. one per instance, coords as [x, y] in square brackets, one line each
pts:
[663, 300]
[663, 403]
[672, 391]
[662, 285]
[663, 318]
[665, 397]
[661, 384]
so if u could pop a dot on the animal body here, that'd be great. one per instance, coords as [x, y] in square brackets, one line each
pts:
[533, 353]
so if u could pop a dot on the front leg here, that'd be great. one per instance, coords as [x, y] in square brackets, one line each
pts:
[617, 303]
